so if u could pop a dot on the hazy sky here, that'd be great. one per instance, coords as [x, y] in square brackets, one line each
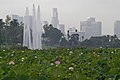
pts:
[71, 12]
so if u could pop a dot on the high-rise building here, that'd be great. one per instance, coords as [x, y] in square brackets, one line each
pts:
[117, 28]
[81, 35]
[55, 20]
[62, 28]
[32, 30]
[72, 29]
[91, 27]
[44, 23]
[17, 17]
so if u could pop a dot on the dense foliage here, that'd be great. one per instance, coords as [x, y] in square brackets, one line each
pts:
[102, 41]
[11, 33]
[60, 64]
[52, 35]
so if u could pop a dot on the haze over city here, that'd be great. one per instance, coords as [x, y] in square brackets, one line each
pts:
[71, 12]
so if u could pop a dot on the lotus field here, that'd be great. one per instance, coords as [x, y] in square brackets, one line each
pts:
[60, 64]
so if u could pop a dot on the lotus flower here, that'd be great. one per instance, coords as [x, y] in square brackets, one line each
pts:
[71, 68]
[57, 62]
[11, 63]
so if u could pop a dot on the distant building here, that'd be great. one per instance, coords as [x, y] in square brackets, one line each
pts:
[62, 28]
[17, 17]
[44, 23]
[117, 28]
[91, 27]
[81, 35]
[55, 20]
[29, 20]
[72, 29]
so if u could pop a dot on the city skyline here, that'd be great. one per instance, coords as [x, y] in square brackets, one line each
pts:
[70, 12]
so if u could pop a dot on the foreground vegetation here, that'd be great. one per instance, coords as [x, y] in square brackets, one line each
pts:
[60, 64]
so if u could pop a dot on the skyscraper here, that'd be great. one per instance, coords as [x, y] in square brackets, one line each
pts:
[72, 29]
[117, 28]
[32, 30]
[55, 20]
[81, 35]
[91, 27]
[45, 23]
[62, 28]
[17, 17]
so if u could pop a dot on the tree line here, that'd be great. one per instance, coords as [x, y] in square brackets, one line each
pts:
[11, 35]
[54, 38]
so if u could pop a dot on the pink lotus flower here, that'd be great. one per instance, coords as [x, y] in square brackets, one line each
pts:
[57, 62]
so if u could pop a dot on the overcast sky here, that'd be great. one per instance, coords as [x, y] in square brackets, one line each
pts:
[71, 12]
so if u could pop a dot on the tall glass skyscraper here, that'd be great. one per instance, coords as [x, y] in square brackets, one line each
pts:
[91, 27]
[55, 20]
[117, 28]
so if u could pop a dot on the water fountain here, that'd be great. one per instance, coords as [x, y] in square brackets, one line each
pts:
[32, 30]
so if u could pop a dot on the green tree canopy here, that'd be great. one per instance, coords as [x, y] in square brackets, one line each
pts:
[52, 35]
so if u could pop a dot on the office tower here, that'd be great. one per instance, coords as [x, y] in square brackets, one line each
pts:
[55, 20]
[117, 28]
[44, 23]
[81, 35]
[72, 29]
[91, 27]
[62, 28]
[17, 17]
[32, 30]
